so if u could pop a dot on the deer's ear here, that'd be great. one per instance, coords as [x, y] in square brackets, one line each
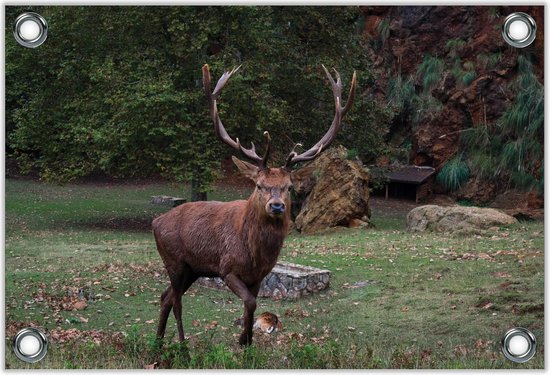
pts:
[247, 169]
[299, 175]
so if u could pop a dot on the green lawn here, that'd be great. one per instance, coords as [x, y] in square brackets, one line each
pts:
[396, 300]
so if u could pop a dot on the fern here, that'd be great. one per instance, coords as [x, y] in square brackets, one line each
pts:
[454, 174]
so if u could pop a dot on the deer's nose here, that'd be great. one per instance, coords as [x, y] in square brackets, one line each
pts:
[277, 208]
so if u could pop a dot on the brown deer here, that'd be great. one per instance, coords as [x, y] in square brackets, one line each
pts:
[238, 241]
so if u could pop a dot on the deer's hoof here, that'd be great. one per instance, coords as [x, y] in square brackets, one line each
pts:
[245, 339]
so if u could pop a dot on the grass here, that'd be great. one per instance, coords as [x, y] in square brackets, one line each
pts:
[430, 70]
[454, 174]
[396, 300]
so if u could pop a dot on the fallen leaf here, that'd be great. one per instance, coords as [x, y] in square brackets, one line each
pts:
[487, 306]
[151, 366]
[83, 320]
[80, 305]
[150, 321]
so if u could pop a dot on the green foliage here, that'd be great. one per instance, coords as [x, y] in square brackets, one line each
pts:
[511, 150]
[453, 46]
[133, 106]
[489, 60]
[430, 70]
[401, 93]
[384, 30]
[464, 73]
[352, 154]
[468, 78]
[454, 174]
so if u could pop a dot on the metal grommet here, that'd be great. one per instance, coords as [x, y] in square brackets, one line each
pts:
[30, 345]
[30, 29]
[519, 30]
[519, 345]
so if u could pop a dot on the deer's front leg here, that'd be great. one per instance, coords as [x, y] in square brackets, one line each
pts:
[249, 298]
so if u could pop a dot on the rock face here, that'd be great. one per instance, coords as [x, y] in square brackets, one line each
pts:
[463, 38]
[455, 219]
[476, 191]
[336, 193]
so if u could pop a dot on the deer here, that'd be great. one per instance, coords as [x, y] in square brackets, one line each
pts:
[238, 241]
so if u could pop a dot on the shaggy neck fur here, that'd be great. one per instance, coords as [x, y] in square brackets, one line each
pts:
[263, 234]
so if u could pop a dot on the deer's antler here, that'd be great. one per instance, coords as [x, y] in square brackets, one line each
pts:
[212, 97]
[340, 112]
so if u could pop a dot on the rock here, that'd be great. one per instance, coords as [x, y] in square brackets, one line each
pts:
[339, 193]
[455, 219]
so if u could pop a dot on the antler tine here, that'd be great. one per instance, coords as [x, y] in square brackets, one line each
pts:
[250, 153]
[327, 139]
[267, 149]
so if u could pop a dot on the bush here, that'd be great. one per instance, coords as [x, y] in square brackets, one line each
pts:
[454, 174]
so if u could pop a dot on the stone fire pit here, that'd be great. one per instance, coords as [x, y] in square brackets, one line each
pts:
[286, 280]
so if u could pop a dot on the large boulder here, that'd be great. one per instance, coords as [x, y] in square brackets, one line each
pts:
[335, 194]
[455, 219]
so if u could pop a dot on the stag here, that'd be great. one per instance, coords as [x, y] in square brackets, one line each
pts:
[238, 241]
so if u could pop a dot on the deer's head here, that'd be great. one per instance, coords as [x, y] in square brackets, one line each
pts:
[273, 185]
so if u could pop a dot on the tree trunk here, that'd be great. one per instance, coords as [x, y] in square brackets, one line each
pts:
[197, 195]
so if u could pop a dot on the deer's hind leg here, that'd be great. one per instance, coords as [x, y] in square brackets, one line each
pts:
[179, 286]
[165, 308]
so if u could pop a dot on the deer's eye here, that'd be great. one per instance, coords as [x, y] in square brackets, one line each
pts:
[290, 188]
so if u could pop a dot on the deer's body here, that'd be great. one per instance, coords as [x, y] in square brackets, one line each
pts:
[215, 239]
[239, 241]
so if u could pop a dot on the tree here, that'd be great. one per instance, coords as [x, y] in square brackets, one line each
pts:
[117, 90]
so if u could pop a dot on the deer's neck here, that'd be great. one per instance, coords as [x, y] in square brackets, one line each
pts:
[264, 234]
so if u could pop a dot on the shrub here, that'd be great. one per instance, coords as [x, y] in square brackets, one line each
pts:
[454, 174]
